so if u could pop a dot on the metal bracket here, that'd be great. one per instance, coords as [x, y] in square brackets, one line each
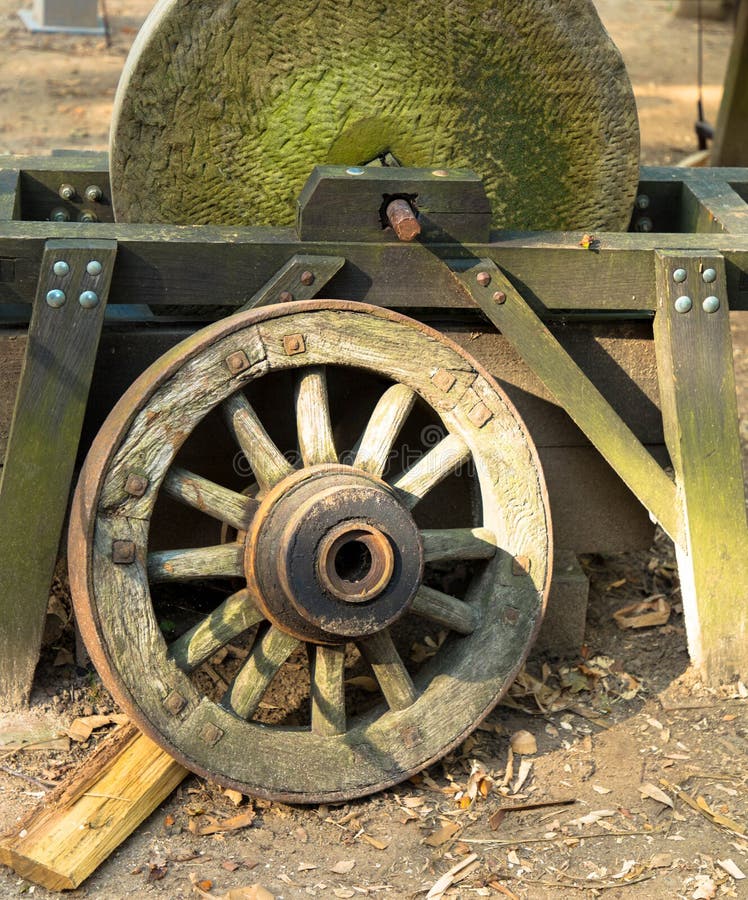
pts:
[63, 338]
[302, 278]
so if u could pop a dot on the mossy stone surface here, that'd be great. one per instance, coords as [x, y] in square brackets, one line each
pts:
[225, 106]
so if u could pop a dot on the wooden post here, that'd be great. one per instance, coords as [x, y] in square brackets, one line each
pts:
[730, 147]
[699, 408]
[9, 183]
[38, 469]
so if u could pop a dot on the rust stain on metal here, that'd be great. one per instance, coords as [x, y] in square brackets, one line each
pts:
[175, 702]
[123, 552]
[403, 220]
[237, 362]
[480, 414]
[444, 380]
[293, 344]
[136, 485]
[285, 297]
[211, 734]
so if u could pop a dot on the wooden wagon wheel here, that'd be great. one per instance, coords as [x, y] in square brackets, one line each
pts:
[329, 552]
[224, 106]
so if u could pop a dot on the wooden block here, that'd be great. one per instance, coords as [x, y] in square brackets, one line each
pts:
[65, 839]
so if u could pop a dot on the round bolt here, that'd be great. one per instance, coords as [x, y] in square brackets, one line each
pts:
[679, 276]
[683, 304]
[94, 267]
[644, 224]
[483, 279]
[285, 296]
[88, 216]
[59, 215]
[88, 299]
[61, 268]
[711, 304]
[440, 173]
[307, 278]
[93, 193]
[66, 191]
[354, 170]
[709, 275]
[56, 299]
[499, 297]
[642, 201]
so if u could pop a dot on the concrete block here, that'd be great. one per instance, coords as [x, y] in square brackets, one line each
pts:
[562, 632]
[72, 16]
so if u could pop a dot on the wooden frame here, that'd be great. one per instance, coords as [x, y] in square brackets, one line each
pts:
[690, 219]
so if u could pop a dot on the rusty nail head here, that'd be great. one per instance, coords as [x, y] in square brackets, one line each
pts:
[211, 734]
[307, 278]
[499, 297]
[123, 552]
[237, 362]
[444, 380]
[480, 414]
[136, 484]
[521, 565]
[511, 615]
[175, 703]
[285, 297]
[293, 344]
[483, 279]
[411, 736]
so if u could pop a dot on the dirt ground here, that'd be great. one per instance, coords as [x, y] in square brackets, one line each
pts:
[655, 762]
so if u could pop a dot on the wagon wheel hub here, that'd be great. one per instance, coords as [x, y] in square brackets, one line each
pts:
[333, 554]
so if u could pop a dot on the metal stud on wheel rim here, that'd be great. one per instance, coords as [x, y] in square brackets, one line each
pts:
[330, 553]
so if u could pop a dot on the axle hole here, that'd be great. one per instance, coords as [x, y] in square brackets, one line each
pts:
[353, 561]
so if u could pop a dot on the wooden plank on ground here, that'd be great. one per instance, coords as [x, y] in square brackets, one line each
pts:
[66, 838]
[43, 442]
[699, 408]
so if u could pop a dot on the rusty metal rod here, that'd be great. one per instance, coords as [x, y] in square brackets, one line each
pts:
[402, 218]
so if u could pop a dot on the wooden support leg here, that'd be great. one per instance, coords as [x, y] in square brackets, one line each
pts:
[699, 407]
[47, 419]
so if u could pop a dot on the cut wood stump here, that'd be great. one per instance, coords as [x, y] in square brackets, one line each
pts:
[80, 823]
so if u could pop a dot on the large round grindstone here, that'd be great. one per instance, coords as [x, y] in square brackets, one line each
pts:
[225, 106]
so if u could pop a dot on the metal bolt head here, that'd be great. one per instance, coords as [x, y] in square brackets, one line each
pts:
[88, 216]
[94, 268]
[174, 703]
[89, 299]
[66, 191]
[136, 484]
[644, 224]
[307, 278]
[93, 193]
[59, 215]
[237, 362]
[709, 275]
[211, 734]
[123, 553]
[499, 297]
[440, 173]
[642, 201]
[444, 380]
[483, 279]
[285, 297]
[61, 268]
[511, 615]
[480, 414]
[711, 304]
[56, 299]
[293, 344]
[683, 304]
[354, 170]
[679, 276]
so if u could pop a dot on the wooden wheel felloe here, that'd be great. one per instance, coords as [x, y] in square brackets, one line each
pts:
[329, 555]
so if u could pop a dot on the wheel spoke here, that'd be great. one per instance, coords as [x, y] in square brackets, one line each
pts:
[219, 502]
[313, 417]
[267, 462]
[431, 468]
[383, 428]
[235, 615]
[458, 543]
[254, 677]
[222, 561]
[444, 610]
[328, 691]
[389, 670]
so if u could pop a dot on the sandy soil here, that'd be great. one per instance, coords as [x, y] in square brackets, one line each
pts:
[627, 713]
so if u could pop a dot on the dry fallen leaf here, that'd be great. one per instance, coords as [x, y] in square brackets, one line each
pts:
[655, 793]
[593, 817]
[235, 797]
[81, 729]
[375, 842]
[524, 771]
[729, 866]
[215, 826]
[524, 743]
[448, 878]
[343, 867]
[644, 614]
[706, 888]
[661, 861]
[443, 834]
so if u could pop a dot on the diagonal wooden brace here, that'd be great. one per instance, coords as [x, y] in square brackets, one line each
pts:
[302, 278]
[63, 338]
[505, 307]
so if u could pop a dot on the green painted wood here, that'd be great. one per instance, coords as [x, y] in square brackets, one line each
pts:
[9, 194]
[236, 102]
[165, 265]
[573, 390]
[699, 407]
[730, 146]
[40, 456]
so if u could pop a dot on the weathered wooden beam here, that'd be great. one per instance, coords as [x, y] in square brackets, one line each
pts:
[730, 146]
[573, 390]
[64, 840]
[9, 193]
[47, 419]
[699, 407]
[302, 278]
[712, 206]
